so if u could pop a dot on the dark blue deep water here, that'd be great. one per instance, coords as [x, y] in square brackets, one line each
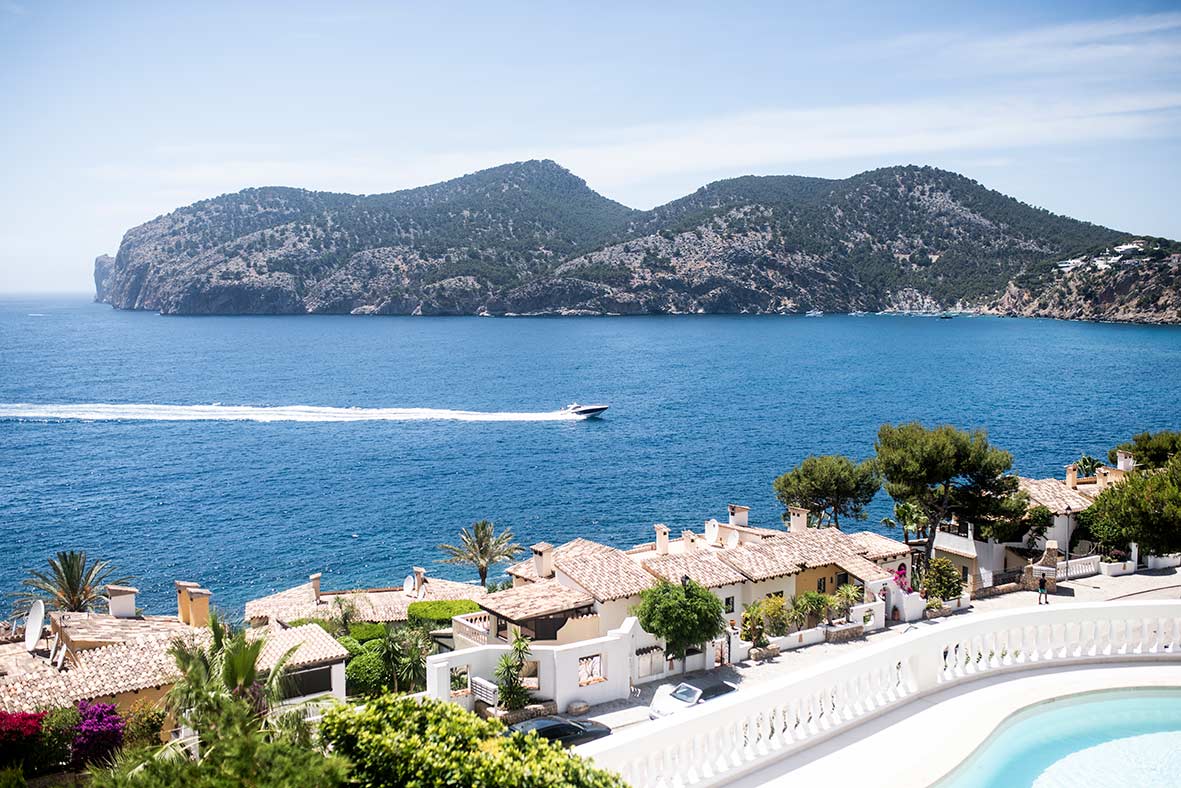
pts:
[704, 411]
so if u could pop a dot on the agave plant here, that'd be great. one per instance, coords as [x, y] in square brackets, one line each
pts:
[73, 583]
[481, 547]
[847, 596]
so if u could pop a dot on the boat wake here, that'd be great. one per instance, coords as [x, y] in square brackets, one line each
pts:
[217, 412]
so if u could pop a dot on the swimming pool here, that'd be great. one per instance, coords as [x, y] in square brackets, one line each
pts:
[1103, 739]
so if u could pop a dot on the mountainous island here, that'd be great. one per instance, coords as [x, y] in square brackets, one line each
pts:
[532, 238]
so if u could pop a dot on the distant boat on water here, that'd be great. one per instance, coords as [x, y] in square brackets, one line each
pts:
[858, 313]
[814, 313]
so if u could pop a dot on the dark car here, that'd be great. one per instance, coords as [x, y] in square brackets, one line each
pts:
[566, 732]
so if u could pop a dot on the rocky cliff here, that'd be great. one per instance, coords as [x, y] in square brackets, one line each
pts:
[531, 238]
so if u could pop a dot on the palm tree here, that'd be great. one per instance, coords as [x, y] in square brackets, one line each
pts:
[910, 517]
[403, 651]
[224, 668]
[481, 547]
[813, 604]
[847, 596]
[73, 584]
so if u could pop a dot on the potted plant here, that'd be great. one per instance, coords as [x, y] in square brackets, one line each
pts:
[1116, 562]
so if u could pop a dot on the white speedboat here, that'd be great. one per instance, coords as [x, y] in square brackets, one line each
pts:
[814, 313]
[585, 411]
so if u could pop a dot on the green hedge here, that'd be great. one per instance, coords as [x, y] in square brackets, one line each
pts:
[324, 624]
[365, 674]
[399, 741]
[438, 614]
[364, 630]
[350, 644]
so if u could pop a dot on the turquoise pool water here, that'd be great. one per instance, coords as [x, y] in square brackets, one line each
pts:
[1095, 740]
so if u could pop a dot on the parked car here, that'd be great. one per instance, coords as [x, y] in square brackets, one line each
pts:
[566, 732]
[686, 694]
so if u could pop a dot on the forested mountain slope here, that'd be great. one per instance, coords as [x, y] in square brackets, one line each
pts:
[531, 238]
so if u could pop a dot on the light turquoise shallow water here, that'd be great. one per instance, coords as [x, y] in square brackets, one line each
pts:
[1048, 744]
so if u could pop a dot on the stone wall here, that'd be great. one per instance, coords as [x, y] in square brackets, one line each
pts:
[844, 633]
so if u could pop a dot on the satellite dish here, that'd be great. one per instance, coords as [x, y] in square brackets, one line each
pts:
[732, 540]
[34, 624]
[408, 585]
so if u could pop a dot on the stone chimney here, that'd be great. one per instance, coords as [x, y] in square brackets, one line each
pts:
[1124, 460]
[198, 606]
[182, 600]
[543, 559]
[690, 541]
[1102, 478]
[661, 539]
[122, 601]
[1072, 476]
[739, 515]
[419, 580]
[797, 519]
[315, 586]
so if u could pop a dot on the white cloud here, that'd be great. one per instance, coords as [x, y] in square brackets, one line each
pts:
[613, 160]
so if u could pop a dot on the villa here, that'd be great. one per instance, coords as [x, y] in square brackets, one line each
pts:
[583, 589]
[381, 605]
[122, 658]
[982, 562]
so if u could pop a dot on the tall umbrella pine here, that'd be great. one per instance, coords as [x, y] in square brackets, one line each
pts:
[481, 547]
[948, 472]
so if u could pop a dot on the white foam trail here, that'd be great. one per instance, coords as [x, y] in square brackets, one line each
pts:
[218, 412]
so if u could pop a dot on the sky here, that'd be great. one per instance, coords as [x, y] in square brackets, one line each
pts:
[114, 113]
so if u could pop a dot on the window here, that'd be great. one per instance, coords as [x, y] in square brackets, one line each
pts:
[822, 584]
[590, 670]
[964, 573]
[729, 604]
[775, 593]
[314, 681]
[529, 675]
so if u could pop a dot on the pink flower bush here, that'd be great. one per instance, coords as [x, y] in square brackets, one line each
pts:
[99, 734]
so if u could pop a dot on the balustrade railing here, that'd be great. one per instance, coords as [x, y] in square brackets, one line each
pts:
[472, 626]
[747, 730]
[1078, 567]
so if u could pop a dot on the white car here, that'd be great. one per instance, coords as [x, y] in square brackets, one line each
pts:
[670, 700]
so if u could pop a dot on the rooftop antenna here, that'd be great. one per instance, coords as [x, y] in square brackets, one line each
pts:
[33, 625]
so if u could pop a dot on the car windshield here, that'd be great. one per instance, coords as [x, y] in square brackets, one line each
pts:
[686, 693]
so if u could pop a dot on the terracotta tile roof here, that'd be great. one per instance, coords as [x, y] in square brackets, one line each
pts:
[703, 566]
[375, 604]
[792, 552]
[878, 547]
[862, 569]
[313, 646]
[143, 662]
[1054, 495]
[541, 598]
[604, 572]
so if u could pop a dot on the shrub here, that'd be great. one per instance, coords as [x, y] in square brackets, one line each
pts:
[58, 730]
[753, 628]
[775, 615]
[438, 614]
[398, 741]
[372, 647]
[934, 603]
[943, 580]
[12, 777]
[100, 733]
[350, 644]
[144, 723]
[365, 631]
[19, 734]
[365, 674]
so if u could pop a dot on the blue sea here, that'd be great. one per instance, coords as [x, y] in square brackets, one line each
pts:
[704, 411]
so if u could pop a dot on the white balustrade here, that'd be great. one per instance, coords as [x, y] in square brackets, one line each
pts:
[1078, 567]
[721, 740]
